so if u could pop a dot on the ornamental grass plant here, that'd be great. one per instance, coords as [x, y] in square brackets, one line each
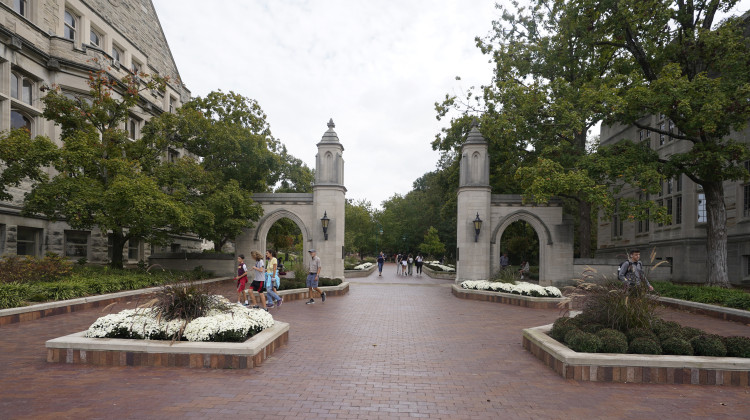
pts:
[618, 308]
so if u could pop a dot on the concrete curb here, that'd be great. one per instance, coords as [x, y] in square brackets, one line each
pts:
[444, 275]
[714, 311]
[352, 274]
[507, 298]
[639, 368]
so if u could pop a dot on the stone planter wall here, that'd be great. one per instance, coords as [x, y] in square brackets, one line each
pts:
[77, 349]
[507, 298]
[351, 274]
[446, 275]
[634, 368]
[715, 311]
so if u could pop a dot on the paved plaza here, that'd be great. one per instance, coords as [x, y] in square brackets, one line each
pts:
[394, 347]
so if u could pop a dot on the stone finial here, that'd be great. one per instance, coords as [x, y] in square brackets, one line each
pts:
[331, 124]
[475, 122]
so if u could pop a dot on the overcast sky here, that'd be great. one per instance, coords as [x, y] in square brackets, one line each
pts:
[375, 67]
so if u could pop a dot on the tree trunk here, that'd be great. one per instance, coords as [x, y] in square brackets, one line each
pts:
[584, 229]
[716, 234]
[118, 244]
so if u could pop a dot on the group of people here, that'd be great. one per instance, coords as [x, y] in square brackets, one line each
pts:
[524, 267]
[266, 280]
[405, 263]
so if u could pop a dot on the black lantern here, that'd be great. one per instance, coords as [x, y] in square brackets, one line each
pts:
[324, 221]
[477, 227]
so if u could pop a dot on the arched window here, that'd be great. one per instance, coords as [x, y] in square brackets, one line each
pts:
[26, 91]
[13, 85]
[18, 120]
[71, 23]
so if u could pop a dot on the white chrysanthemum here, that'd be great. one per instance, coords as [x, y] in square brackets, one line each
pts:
[363, 266]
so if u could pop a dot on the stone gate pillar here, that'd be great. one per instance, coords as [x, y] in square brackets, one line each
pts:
[474, 198]
[329, 196]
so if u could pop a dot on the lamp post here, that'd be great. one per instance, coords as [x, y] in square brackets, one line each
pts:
[477, 227]
[324, 221]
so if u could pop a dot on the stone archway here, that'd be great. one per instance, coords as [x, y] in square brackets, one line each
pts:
[542, 232]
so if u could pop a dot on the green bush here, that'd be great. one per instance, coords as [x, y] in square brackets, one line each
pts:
[672, 333]
[689, 332]
[28, 269]
[708, 345]
[585, 343]
[591, 327]
[613, 341]
[677, 346]
[12, 294]
[644, 345]
[737, 346]
[616, 308]
[560, 327]
[572, 334]
[733, 298]
[640, 332]
[738, 302]
[661, 326]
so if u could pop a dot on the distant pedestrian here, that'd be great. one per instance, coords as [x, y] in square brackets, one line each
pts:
[504, 262]
[631, 272]
[418, 262]
[381, 261]
[398, 264]
[241, 280]
[403, 264]
[410, 262]
[271, 274]
[259, 283]
[313, 276]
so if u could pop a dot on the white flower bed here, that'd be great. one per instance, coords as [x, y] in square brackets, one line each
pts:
[519, 288]
[363, 266]
[238, 321]
[444, 267]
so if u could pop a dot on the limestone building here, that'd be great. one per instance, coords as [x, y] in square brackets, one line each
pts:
[683, 242]
[45, 42]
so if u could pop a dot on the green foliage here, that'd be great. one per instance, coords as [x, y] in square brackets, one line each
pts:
[660, 326]
[613, 341]
[708, 345]
[13, 294]
[561, 327]
[634, 333]
[613, 307]
[361, 229]
[677, 346]
[731, 298]
[504, 276]
[591, 328]
[23, 158]
[737, 346]
[432, 245]
[644, 345]
[186, 301]
[28, 269]
[572, 334]
[689, 332]
[521, 243]
[585, 343]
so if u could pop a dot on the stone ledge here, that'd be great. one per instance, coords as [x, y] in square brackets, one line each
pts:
[77, 349]
[714, 311]
[638, 368]
[360, 273]
[508, 298]
[444, 275]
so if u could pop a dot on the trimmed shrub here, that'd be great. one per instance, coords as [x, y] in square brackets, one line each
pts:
[584, 342]
[689, 332]
[661, 326]
[737, 346]
[677, 346]
[644, 345]
[708, 345]
[640, 332]
[560, 327]
[613, 341]
[572, 334]
[591, 328]
[674, 333]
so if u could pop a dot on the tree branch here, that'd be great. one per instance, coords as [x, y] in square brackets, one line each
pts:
[667, 133]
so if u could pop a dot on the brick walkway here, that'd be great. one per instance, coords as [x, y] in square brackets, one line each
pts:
[391, 348]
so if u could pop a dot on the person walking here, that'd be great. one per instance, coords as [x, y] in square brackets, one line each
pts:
[504, 262]
[313, 276]
[403, 265]
[631, 272]
[271, 275]
[410, 262]
[241, 280]
[259, 283]
[418, 263]
[381, 261]
[398, 264]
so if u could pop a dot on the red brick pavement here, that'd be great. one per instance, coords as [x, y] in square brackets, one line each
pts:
[394, 347]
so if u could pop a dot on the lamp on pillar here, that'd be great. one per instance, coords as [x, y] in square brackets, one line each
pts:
[477, 227]
[324, 221]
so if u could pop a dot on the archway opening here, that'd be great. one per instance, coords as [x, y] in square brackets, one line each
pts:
[521, 242]
[285, 237]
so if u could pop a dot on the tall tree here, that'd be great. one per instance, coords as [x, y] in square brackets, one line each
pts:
[103, 179]
[672, 57]
[360, 227]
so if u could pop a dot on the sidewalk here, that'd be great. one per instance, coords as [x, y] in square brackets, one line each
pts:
[393, 347]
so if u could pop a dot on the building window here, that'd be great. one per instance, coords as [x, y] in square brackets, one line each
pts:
[76, 244]
[174, 247]
[746, 200]
[27, 241]
[116, 55]
[18, 120]
[660, 203]
[172, 104]
[21, 7]
[678, 183]
[134, 249]
[670, 185]
[746, 265]
[702, 216]
[27, 90]
[662, 136]
[173, 155]
[616, 223]
[14, 79]
[71, 25]
[95, 39]
[133, 128]
[21, 88]
[135, 67]
[678, 210]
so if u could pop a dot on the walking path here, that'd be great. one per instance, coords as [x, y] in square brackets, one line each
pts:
[394, 347]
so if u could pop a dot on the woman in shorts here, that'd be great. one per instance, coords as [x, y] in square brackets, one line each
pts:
[259, 281]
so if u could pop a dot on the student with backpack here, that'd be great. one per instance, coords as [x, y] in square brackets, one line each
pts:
[631, 272]
[272, 281]
[259, 283]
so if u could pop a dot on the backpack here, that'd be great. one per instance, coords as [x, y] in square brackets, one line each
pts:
[278, 279]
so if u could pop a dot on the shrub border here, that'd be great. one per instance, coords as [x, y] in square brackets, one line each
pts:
[43, 310]
[77, 349]
[508, 298]
[635, 368]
